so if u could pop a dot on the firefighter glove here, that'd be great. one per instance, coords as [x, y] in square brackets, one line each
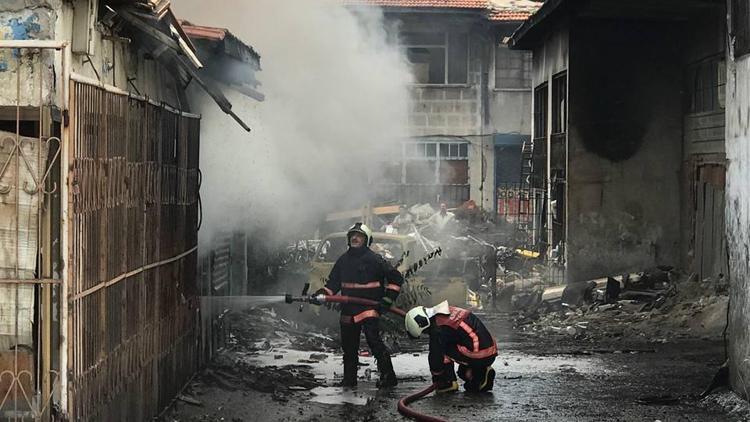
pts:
[385, 304]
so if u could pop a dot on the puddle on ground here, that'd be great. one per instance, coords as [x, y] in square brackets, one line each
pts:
[339, 395]
[413, 368]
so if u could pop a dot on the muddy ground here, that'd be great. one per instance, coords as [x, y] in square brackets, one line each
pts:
[276, 369]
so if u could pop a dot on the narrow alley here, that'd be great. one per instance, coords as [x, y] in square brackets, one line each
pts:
[374, 210]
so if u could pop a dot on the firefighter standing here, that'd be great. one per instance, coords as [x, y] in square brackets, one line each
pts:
[360, 272]
[456, 335]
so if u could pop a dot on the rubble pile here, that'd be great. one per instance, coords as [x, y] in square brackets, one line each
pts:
[657, 306]
[236, 374]
[245, 328]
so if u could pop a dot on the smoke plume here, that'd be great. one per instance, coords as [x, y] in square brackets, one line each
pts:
[336, 100]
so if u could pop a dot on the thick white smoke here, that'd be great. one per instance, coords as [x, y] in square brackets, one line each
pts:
[336, 101]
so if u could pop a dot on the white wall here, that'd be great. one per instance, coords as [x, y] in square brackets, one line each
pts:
[738, 220]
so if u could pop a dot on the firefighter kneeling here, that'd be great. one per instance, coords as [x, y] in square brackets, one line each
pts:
[456, 335]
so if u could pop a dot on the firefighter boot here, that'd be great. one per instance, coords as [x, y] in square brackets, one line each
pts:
[446, 387]
[385, 369]
[350, 372]
[488, 380]
[445, 382]
[477, 379]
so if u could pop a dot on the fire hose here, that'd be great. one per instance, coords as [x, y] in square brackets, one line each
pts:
[403, 404]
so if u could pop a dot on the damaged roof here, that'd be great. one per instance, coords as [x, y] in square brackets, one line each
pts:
[533, 30]
[214, 46]
[159, 32]
[494, 10]
[228, 42]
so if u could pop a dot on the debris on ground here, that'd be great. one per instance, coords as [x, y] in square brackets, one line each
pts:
[657, 305]
[261, 328]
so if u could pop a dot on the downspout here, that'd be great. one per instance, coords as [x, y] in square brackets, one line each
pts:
[65, 214]
[549, 164]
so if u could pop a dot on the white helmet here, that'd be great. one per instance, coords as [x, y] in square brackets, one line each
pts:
[359, 228]
[416, 321]
[418, 318]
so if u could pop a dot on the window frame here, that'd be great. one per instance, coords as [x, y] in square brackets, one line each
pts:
[540, 110]
[457, 151]
[705, 84]
[446, 54]
[559, 94]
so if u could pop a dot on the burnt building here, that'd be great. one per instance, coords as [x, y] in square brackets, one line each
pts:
[628, 133]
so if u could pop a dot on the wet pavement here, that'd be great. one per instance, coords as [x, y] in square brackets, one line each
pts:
[553, 378]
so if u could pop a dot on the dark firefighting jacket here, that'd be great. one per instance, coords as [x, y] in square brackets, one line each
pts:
[360, 272]
[460, 337]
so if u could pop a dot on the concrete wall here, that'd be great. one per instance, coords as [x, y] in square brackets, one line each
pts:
[624, 148]
[450, 110]
[510, 111]
[738, 220]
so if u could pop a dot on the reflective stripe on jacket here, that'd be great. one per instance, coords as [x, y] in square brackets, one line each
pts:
[464, 337]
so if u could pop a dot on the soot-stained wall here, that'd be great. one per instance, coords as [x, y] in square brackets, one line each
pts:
[624, 147]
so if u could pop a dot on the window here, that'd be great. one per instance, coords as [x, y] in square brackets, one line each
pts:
[741, 27]
[559, 101]
[540, 111]
[512, 68]
[437, 57]
[705, 85]
[445, 163]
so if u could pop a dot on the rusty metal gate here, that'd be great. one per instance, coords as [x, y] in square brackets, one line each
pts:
[30, 229]
[98, 238]
[133, 297]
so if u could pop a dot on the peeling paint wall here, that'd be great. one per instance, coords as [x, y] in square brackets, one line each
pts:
[114, 61]
[18, 23]
[624, 148]
[738, 220]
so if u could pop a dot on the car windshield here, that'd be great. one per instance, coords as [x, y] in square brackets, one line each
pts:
[333, 247]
